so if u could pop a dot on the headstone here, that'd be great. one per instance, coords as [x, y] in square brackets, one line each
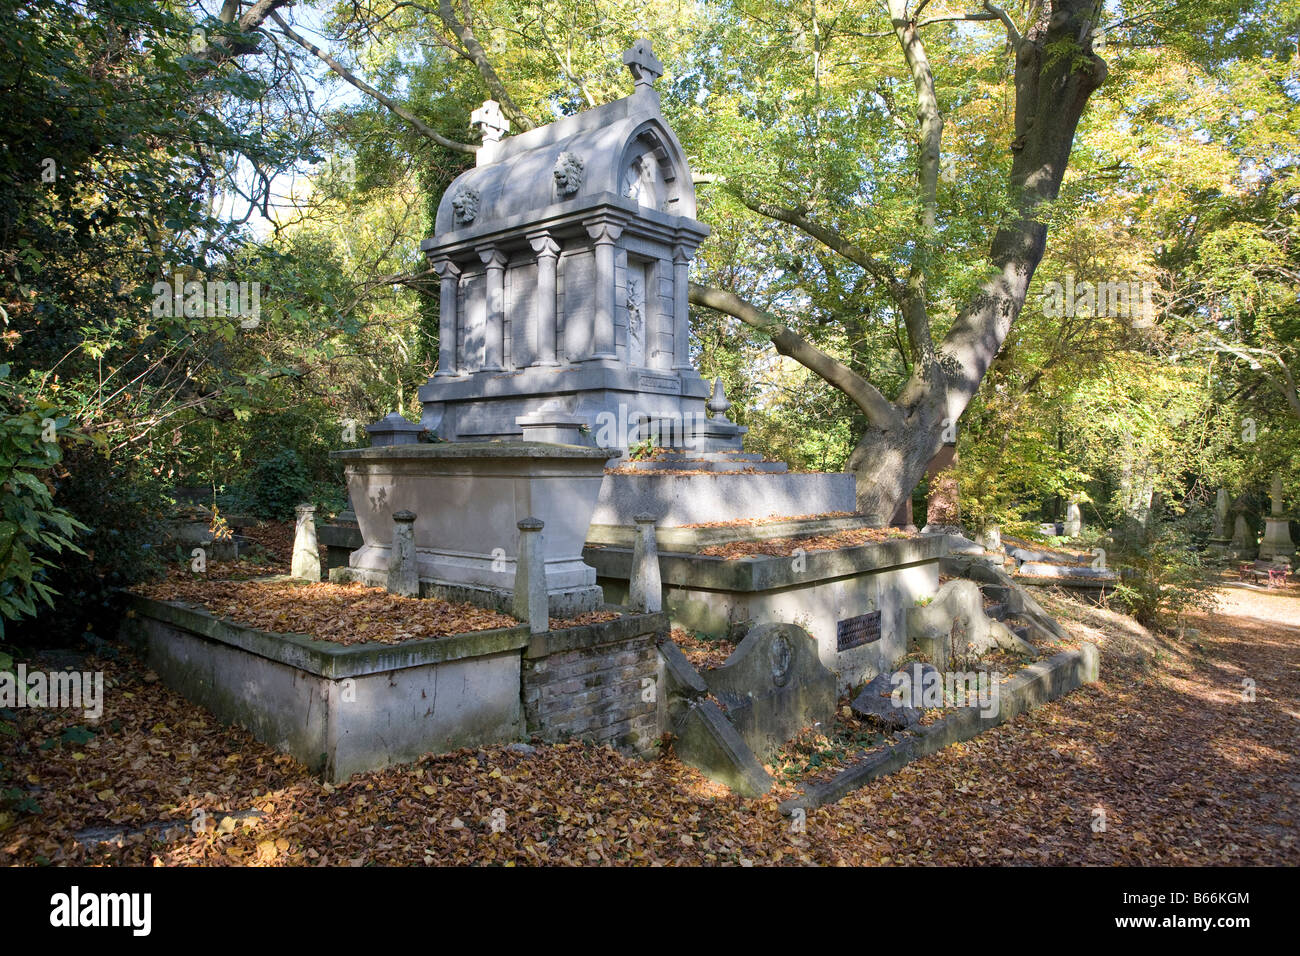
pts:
[1242, 546]
[1073, 520]
[306, 553]
[1219, 540]
[773, 686]
[646, 587]
[1277, 544]
[403, 570]
[530, 599]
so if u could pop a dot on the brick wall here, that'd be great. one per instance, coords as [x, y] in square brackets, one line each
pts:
[587, 683]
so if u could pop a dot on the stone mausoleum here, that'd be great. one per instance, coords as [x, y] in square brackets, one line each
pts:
[563, 257]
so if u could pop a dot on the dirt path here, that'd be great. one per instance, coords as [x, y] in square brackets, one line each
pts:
[1186, 768]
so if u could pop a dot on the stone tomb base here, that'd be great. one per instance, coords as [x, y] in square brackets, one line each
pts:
[468, 499]
[853, 601]
[343, 709]
[677, 500]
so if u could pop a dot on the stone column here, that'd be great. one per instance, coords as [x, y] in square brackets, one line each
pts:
[530, 602]
[306, 556]
[494, 336]
[681, 309]
[645, 590]
[447, 318]
[548, 251]
[604, 234]
[403, 571]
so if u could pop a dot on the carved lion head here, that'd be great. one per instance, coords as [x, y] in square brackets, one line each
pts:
[568, 173]
[464, 206]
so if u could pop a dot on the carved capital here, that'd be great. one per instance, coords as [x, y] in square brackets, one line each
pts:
[604, 231]
[446, 269]
[492, 257]
[544, 245]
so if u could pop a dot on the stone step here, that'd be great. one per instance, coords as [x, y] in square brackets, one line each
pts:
[997, 612]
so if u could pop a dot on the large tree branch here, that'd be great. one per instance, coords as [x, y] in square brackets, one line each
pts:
[473, 51]
[927, 109]
[398, 109]
[881, 271]
[878, 409]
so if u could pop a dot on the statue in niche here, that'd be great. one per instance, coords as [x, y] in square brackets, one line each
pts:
[644, 183]
[464, 206]
[635, 323]
[568, 173]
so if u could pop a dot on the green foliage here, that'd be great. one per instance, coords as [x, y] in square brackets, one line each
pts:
[276, 485]
[32, 527]
[118, 546]
[1162, 574]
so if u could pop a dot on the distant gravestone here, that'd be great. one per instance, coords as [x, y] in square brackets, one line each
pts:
[1219, 540]
[1242, 545]
[1277, 543]
[773, 686]
[1073, 521]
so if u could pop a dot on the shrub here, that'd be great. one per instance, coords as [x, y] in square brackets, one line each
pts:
[32, 529]
[1162, 574]
[276, 485]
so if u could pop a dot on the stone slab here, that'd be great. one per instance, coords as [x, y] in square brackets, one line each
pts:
[1034, 685]
[694, 499]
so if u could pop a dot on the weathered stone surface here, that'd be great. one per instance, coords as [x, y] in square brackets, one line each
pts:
[696, 499]
[954, 625]
[530, 600]
[594, 216]
[1039, 682]
[1018, 600]
[403, 573]
[1277, 543]
[709, 742]
[876, 700]
[645, 590]
[339, 709]
[469, 498]
[306, 556]
[1073, 521]
[1243, 544]
[773, 686]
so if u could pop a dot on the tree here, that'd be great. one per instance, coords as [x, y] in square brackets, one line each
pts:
[1054, 72]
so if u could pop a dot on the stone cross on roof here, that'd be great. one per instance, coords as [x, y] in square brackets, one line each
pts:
[489, 121]
[642, 64]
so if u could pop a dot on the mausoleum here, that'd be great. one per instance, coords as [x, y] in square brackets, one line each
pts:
[563, 256]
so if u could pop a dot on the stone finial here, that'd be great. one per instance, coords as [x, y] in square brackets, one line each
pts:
[530, 603]
[489, 121]
[403, 569]
[718, 403]
[645, 590]
[643, 65]
[306, 553]
[394, 429]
